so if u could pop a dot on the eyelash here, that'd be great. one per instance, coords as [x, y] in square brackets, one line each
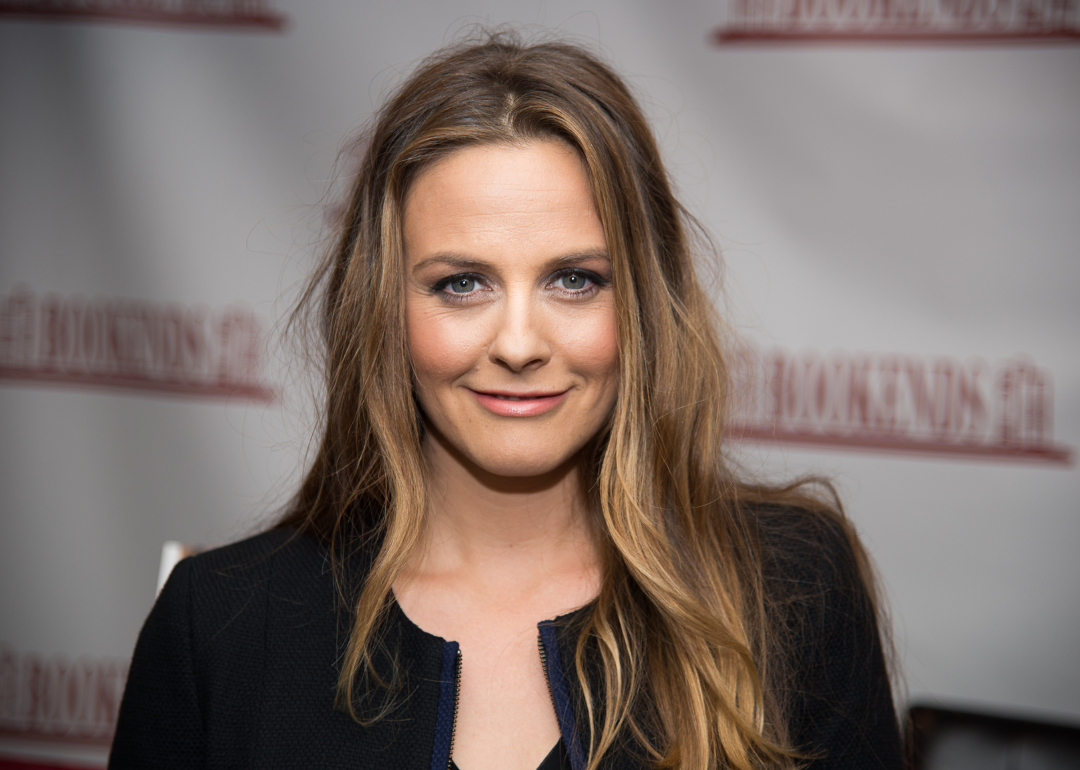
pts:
[596, 281]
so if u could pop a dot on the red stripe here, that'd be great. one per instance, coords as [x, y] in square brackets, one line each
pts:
[243, 390]
[1055, 454]
[885, 35]
[12, 764]
[122, 12]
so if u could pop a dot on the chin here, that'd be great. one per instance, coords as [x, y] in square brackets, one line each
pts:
[522, 462]
[508, 451]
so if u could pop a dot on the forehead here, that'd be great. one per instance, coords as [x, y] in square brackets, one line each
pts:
[503, 201]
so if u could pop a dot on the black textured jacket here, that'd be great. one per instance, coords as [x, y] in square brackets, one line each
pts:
[237, 665]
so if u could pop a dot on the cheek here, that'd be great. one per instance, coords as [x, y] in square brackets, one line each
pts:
[441, 348]
[591, 346]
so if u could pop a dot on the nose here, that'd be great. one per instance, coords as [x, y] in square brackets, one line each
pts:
[520, 343]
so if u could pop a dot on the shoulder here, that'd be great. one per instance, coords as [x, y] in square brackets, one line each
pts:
[228, 593]
[820, 595]
[244, 564]
[240, 636]
[801, 549]
[247, 561]
[816, 576]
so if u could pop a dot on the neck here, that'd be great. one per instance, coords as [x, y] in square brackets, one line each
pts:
[516, 528]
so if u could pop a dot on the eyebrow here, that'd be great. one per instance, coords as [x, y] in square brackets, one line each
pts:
[468, 263]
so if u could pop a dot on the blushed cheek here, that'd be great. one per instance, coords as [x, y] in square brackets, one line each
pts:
[591, 347]
[440, 348]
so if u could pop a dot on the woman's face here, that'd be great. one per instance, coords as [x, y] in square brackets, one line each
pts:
[509, 309]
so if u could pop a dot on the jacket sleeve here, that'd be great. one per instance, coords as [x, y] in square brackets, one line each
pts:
[843, 716]
[160, 723]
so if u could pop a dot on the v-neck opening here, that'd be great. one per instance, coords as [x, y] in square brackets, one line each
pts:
[556, 759]
[558, 620]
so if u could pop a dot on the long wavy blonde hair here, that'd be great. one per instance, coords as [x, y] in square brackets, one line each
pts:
[691, 654]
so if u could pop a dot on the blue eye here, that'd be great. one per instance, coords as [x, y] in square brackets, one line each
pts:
[463, 285]
[573, 281]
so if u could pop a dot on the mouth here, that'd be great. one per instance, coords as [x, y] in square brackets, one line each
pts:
[513, 404]
[518, 396]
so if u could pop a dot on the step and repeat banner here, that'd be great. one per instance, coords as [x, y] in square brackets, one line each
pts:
[894, 186]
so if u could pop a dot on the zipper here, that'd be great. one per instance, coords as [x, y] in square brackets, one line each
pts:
[560, 697]
[544, 665]
[446, 712]
[457, 700]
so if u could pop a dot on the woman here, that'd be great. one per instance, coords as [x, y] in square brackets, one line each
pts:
[519, 544]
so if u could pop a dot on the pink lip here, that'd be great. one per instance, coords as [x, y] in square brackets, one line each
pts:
[507, 404]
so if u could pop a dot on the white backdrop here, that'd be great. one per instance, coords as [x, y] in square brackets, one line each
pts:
[918, 199]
